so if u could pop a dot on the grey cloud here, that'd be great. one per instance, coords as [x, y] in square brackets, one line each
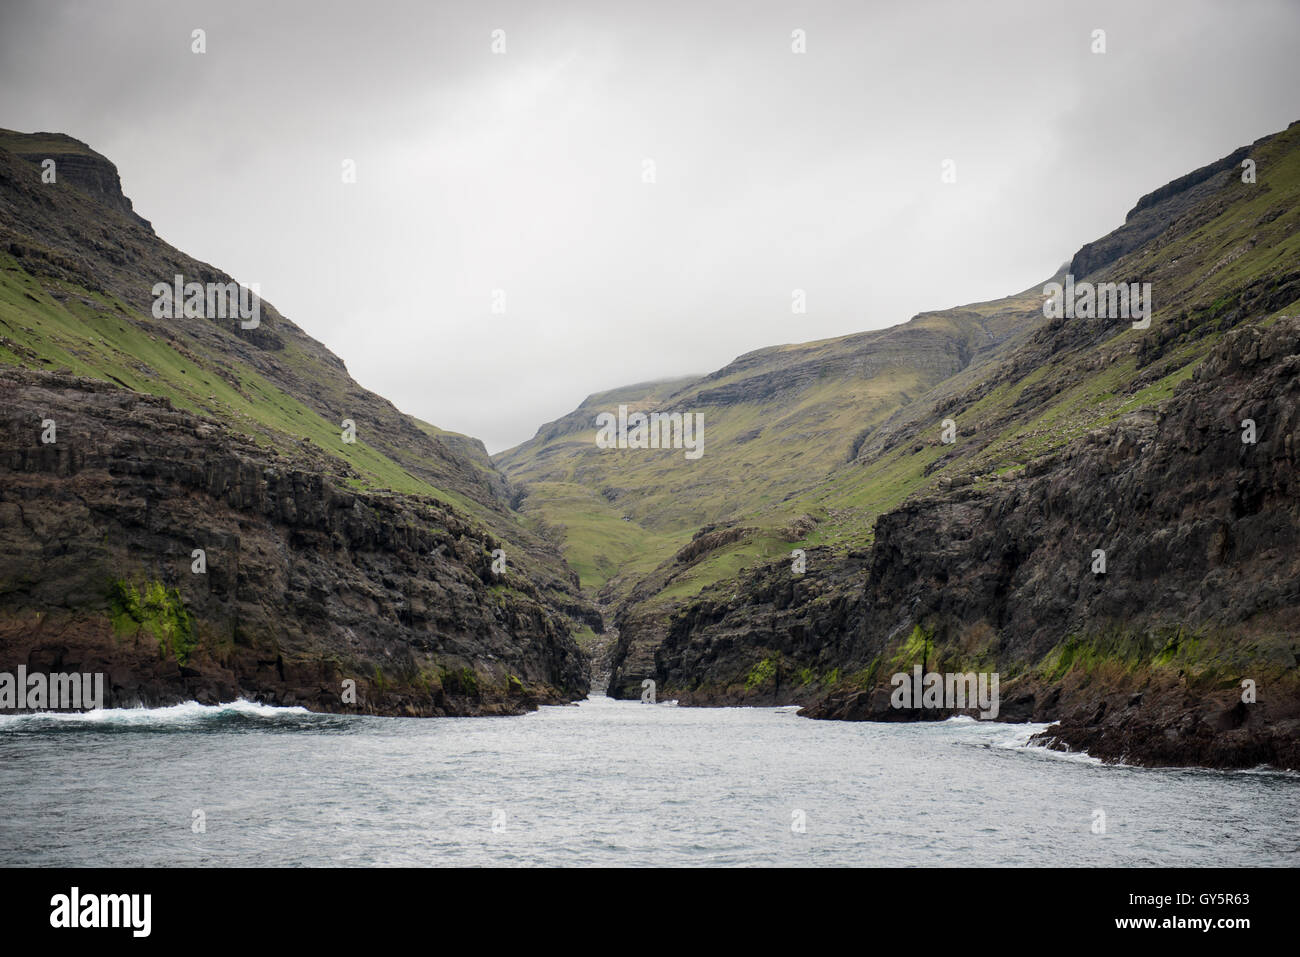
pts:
[522, 172]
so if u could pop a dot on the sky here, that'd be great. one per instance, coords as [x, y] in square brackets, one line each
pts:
[605, 193]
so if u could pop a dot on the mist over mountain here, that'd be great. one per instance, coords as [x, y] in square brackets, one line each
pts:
[210, 508]
[522, 172]
[939, 492]
[934, 493]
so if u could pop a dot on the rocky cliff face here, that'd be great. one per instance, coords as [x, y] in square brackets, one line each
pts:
[77, 242]
[1171, 448]
[307, 583]
[327, 561]
[1144, 662]
[75, 164]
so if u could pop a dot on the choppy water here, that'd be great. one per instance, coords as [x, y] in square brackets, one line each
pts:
[604, 782]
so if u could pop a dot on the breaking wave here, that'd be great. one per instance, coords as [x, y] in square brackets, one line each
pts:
[188, 716]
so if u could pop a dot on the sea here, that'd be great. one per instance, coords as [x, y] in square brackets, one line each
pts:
[608, 783]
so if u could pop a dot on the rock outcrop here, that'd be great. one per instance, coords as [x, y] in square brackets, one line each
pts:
[1112, 525]
[307, 583]
[1144, 662]
[392, 562]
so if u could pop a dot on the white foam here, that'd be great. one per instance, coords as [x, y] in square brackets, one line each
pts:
[188, 712]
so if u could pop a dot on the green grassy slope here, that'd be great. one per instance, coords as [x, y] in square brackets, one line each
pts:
[77, 268]
[775, 422]
[807, 444]
[1233, 259]
[57, 325]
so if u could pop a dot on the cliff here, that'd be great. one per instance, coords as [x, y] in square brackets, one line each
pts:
[956, 522]
[329, 558]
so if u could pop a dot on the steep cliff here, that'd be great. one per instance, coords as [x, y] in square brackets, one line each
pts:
[961, 530]
[385, 554]
[1144, 662]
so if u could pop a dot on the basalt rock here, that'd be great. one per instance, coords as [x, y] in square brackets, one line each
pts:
[1144, 663]
[308, 583]
[1109, 519]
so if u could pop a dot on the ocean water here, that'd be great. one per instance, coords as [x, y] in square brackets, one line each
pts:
[607, 783]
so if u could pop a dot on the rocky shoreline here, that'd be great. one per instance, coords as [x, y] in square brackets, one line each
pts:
[307, 584]
[1155, 720]
[1144, 664]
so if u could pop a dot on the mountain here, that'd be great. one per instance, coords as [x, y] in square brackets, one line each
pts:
[1070, 436]
[1103, 512]
[772, 419]
[343, 539]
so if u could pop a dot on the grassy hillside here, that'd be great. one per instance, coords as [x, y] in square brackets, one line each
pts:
[57, 325]
[1234, 258]
[1224, 261]
[807, 446]
[77, 268]
[776, 421]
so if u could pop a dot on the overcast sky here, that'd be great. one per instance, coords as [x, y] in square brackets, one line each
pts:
[524, 171]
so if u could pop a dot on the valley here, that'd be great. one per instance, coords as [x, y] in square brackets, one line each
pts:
[947, 484]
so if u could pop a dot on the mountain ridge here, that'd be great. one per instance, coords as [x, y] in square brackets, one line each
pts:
[727, 622]
[77, 270]
[926, 494]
